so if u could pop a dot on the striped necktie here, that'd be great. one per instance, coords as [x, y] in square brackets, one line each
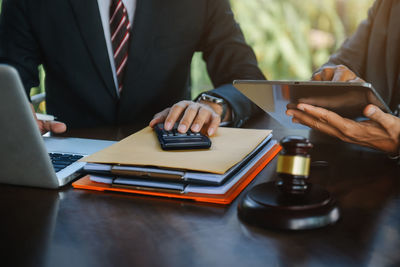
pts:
[119, 29]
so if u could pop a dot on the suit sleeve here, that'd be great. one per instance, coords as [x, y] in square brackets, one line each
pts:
[228, 58]
[18, 46]
[354, 50]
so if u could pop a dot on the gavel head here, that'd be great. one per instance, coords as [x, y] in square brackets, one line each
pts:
[293, 166]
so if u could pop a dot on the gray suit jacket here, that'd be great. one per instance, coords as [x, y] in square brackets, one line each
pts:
[373, 52]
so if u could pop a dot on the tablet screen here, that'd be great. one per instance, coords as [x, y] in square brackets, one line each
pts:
[346, 99]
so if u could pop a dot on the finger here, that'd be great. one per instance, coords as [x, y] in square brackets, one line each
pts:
[317, 76]
[188, 117]
[159, 117]
[213, 126]
[322, 114]
[327, 73]
[387, 121]
[343, 74]
[41, 127]
[203, 116]
[175, 113]
[58, 127]
[315, 123]
[349, 129]
[52, 126]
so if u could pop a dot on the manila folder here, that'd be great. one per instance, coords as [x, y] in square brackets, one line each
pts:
[229, 147]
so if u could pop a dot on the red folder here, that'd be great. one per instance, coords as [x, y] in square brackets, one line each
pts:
[224, 199]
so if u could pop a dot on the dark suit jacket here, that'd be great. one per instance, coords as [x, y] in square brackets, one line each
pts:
[373, 52]
[66, 36]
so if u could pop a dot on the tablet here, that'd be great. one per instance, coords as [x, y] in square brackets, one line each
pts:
[345, 98]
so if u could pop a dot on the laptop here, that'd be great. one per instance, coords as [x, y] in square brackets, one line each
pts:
[27, 158]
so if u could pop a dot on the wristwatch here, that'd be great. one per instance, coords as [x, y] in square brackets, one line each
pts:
[395, 157]
[216, 100]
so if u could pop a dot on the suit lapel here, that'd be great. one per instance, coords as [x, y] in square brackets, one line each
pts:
[89, 22]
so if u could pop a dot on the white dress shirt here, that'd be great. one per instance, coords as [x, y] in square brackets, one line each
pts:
[104, 7]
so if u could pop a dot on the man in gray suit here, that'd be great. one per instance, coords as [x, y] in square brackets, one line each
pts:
[371, 54]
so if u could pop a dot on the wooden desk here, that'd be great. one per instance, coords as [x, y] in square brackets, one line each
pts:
[71, 227]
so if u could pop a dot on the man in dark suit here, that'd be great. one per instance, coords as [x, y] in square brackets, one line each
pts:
[72, 41]
[371, 54]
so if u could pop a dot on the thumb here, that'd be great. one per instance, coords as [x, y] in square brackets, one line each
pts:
[377, 115]
[58, 127]
[53, 126]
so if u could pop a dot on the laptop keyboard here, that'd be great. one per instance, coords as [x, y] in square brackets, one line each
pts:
[61, 161]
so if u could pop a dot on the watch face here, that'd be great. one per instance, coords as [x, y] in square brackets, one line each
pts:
[211, 98]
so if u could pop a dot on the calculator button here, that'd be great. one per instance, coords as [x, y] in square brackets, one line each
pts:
[175, 140]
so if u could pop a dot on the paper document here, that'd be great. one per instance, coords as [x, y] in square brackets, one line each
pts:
[190, 188]
[182, 176]
[229, 146]
[221, 194]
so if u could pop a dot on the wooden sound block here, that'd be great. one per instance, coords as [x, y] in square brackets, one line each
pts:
[267, 206]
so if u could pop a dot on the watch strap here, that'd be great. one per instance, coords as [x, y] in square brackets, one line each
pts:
[216, 100]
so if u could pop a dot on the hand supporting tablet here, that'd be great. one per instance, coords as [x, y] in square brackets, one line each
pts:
[330, 107]
[346, 99]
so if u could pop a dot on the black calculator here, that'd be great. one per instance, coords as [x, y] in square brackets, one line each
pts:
[174, 140]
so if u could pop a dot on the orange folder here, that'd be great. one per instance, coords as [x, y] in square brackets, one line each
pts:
[224, 199]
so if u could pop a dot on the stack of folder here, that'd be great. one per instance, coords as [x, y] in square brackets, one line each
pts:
[138, 165]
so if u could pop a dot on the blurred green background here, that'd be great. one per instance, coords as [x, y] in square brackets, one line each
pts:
[291, 38]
